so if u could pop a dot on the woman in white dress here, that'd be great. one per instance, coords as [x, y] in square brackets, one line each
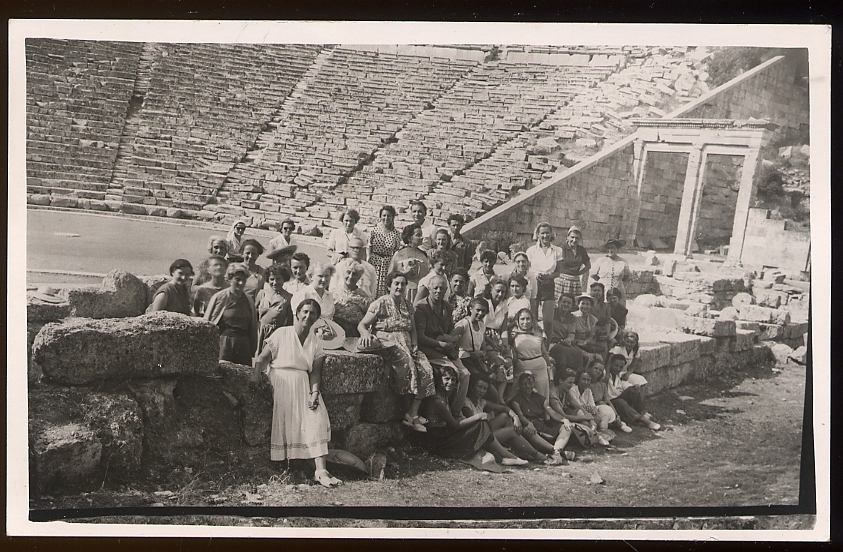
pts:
[300, 425]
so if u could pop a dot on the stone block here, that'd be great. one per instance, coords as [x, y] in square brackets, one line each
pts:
[120, 295]
[669, 377]
[647, 300]
[781, 352]
[741, 299]
[63, 454]
[755, 313]
[133, 209]
[365, 438]
[744, 339]
[683, 347]
[345, 372]
[708, 345]
[64, 201]
[770, 332]
[343, 410]
[38, 199]
[256, 407]
[708, 326]
[642, 318]
[382, 405]
[115, 418]
[729, 313]
[781, 316]
[36, 311]
[747, 325]
[78, 351]
[794, 330]
[770, 298]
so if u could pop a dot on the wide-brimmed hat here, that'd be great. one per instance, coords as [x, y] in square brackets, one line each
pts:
[47, 294]
[339, 334]
[280, 251]
[345, 458]
[617, 244]
[352, 345]
[585, 296]
[483, 460]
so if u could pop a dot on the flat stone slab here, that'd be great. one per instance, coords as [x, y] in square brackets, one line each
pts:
[120, 295]
[345, 373]
[79, 351]
[683, 347]
[711, 327]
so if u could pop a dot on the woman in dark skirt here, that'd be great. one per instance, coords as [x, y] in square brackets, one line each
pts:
[234, 312]
[451, 438]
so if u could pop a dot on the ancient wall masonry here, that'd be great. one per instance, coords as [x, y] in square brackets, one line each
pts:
[792, 243]
[721, 182]
[661, 196]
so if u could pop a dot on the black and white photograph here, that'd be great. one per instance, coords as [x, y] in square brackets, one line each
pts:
[288, 279]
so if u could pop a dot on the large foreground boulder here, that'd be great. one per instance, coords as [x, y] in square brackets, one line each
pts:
[79, 351]
[120, 295]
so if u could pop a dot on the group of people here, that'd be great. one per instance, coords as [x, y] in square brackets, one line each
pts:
[482, 360]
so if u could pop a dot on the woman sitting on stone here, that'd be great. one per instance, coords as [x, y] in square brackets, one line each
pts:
[300, 425]
[319, 275]
[410, 260]
[251, 250]
[539, 421]
[217, 246]
[391, 317]
[350, 302]
[627, 399]
[600, 392]
[563, 349]
[273, 303]
[235, 314]
[216, 267]
[629, 349]
[506, 425]
[584, 425]
[174, 296]
[434, 325]
[446, 436]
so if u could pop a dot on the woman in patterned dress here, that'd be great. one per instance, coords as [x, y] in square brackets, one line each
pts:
[392, 317]
[273, 303]
[350, 302]
[384, 242]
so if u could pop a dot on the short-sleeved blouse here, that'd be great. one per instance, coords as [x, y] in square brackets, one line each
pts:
[543, 261]
[290, 353]
[513, 305]
[178, 298]
[497, 315]
[532, 284]
[326, 301]
[527, 345]
[629, 355]
[585, 325]
[470, 341]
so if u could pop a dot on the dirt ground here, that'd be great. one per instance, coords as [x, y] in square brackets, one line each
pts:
[731, 441]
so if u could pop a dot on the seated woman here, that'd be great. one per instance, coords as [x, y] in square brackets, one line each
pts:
[581, 398]
[562, 341]
[300, 425]
[460, 299]
[235, 314]
[618, 310]
[629, 349]
[299, 266]
[584, 425]
[530, 351]
[505, 424]
[217, 246]
[495, 326]
[626, 398]
[273, 303]
[410, 260]
[174, 296]
[481, 361]
[539, 421]
[600, 392]
[586, 323]
[482, 276]
[216, 267]
[251, 250]
[439, 262]
[350, 302]
[433, 327]
[391, 317]
[449, 437]
[319, 275]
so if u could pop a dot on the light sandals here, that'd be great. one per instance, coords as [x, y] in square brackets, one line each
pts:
[326, 479]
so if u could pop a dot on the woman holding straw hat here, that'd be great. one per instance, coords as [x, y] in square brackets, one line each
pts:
[611, 270]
